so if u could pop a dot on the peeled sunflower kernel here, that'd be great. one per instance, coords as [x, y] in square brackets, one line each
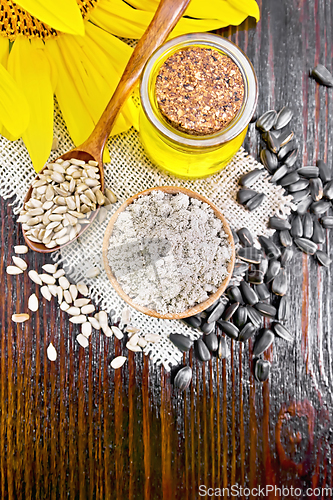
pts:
[20, 317]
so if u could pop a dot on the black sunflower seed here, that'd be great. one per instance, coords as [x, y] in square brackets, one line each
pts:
[255, 202]
[247, 180]
[285, 238]
[307, 246]
[275, 133]
[240, 316]
[327, 221]
[320, 207]
[240, 268]
[297, 227]
[308, 172]
[250, 254]
[283, 118]
[263, 266]
[273, 270]
[248, 294]
[304, 204]
[269, 160]
[298, 186]
[280, 224]
[323, 258]
[183, 378]
[216, 313]
[316, 189]
[183, 343]
[201, 350]
[281, 331]
[234, 235]
[285, 137]
[283, 309]
[273, 142]
[280, 283]
[222, 350]
[234, 294]
[301, 195]
[262, 291]
[210, 308]
[307, 226]
[255, 277]
[245, 237]
[265, 309]
[193, 321]
[328, 190]
[325, 172]
[272, 251]
[318, 235]
[254, 316]
[264, 339]
[291, 158]
[261, 370]
[285, 150]
[289, 179]
[229, 329]
[211, 341]
[286, 256]
[267, 120]
[321, 74]
[208, 328]
[279, 173]
[247, 332]
[245, 195]
[229, 312]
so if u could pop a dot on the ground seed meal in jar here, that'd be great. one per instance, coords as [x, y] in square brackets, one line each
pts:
[169, 252]
[198, 94]
[199, 90]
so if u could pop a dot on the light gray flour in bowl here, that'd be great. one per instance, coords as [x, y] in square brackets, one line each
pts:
[169, 252]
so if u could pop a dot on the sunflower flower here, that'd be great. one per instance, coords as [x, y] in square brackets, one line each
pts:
[71, 49]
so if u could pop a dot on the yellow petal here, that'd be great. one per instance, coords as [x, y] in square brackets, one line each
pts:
[112, 54]
[249, 7]
[116, 49]
[31, 70]
[4, 51]
[116, 17]
[14, 109]
[62, 15]
[227, 11]
[19, 111]
[77, 118]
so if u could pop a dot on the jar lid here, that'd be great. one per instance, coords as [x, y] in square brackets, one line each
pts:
[206, 40]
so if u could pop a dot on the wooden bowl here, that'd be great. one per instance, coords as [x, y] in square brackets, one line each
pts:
[193, 310]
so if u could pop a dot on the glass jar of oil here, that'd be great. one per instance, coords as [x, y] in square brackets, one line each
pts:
[180, 153]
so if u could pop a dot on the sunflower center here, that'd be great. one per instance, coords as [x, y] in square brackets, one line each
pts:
[15, 21]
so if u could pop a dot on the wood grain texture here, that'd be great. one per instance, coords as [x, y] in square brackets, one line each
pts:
[77, 429]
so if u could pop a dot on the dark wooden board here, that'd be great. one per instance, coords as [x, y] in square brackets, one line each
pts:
[77, 429]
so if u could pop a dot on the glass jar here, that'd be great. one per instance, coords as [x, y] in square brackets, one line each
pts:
[182, 154]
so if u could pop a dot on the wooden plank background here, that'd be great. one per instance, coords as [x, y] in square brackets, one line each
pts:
[77, 429]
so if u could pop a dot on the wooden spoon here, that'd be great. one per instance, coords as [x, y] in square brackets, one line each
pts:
[165, 19]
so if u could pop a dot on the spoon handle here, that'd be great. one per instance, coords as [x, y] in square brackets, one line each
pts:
[165, 19]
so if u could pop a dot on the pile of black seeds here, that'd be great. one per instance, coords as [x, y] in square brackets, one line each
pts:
[310, 186]
[259, 283]
[239, 313]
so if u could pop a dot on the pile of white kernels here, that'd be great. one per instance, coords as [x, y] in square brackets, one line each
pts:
[64, 196]
[73, 299]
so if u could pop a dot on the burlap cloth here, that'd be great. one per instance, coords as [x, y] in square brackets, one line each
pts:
[129, 172]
